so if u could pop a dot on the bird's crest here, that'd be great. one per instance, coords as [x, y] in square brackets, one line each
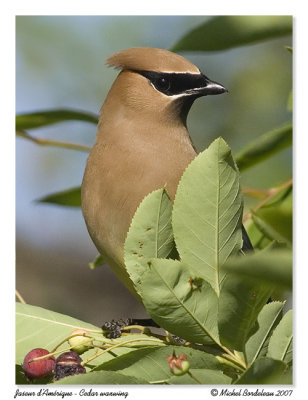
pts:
[151, 59]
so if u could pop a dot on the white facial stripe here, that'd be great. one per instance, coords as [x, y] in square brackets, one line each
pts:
[177, 72]
[174, 96]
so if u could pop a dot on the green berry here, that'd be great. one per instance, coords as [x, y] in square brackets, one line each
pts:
[178, 371]
[81, 343]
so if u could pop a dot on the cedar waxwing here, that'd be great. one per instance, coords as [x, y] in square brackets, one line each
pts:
[142, 143]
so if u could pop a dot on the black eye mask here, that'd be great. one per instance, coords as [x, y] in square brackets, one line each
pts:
[175, 83]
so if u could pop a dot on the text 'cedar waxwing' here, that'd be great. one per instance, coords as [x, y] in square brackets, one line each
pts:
[142, 143]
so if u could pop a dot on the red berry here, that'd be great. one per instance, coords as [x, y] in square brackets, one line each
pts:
[39, 368]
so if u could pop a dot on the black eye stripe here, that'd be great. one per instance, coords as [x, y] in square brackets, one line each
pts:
[173, 83]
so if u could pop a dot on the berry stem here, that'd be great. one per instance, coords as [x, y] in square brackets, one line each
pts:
[69, 337]
[118, 345]
[194, 378]
[53, 353]
[19, 297]
[129, 327]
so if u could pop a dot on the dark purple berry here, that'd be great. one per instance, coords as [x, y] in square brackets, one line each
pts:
[70, 357]
[113, 329]
[40, 368]
[107, 325]
[61, 371]
[67, 364]
[114, 334]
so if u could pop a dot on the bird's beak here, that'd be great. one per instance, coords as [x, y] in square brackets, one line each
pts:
[207, 87]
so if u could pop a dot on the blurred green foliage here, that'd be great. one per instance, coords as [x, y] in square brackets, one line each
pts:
[224, 32]
[38, 119]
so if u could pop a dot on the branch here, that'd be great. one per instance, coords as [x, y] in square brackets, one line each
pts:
[271, 193]
[47, 142]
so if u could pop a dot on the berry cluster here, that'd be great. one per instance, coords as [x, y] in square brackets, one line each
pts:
[40, 363]
[37, 364]
[68, 363]
[113, 329]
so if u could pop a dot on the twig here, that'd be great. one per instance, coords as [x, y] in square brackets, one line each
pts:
[271, 193]
[253, 192]
[47, 142]
[19, 297]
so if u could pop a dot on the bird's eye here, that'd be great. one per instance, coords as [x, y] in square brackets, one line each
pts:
[162, 84]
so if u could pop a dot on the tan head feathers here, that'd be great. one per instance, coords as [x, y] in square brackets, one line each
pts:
[151, 59]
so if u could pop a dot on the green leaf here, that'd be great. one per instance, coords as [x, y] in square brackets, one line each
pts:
[273, 268]
[265, 371]
[97, 262]
[101, 378]
[283, 196]
[254, 234]
[179, 301]
[279, 231]
[69, 198]
[207, 213]
[225, 32]
[201, 376]
[49, 117]
[275, 245]
[280, 344]
[268, 319]
[20, 377]
[150, 234]
[38, 327]
[241, 299]
[264, 146]
[151, 363]
[275, 219]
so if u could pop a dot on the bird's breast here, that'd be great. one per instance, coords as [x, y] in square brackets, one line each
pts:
[120, 172]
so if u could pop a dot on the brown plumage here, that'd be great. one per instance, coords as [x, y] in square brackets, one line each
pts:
[151, 59]
[142, 143]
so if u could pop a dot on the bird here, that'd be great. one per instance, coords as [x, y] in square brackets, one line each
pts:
[142, 144]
